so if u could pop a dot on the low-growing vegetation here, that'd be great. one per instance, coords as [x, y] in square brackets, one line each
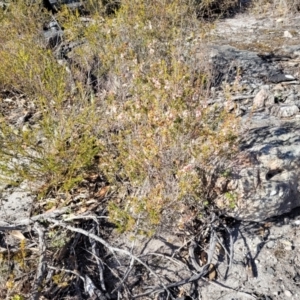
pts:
[143, 123]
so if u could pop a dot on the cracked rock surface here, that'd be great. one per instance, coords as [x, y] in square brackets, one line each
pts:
[265, 175]
[247, 52]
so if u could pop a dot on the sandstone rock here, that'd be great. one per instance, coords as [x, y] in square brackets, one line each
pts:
[53, 34]
[56, 4]
[294, 50]
[228, 62]
[265, 174]
[270, 244]
[285, 111]
[263, 98]
[16, 203]
[277, 77]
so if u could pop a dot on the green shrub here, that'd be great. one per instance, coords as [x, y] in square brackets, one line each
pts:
[164, 133]
[147, 129]
[216, 8]
[60, 144]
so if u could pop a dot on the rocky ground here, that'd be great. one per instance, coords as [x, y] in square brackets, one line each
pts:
[254, 254]
[265, 260]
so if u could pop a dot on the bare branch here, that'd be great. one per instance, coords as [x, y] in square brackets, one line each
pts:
[110, 248]
[40, 273]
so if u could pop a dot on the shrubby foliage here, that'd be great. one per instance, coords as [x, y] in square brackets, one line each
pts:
[145, 125]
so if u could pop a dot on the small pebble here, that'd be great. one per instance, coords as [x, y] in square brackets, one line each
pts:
[270, 244]
[288, 293]
[288, 245]
[287, 34]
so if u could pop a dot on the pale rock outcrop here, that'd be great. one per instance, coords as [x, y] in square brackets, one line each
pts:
[263, 98]
[264, 177]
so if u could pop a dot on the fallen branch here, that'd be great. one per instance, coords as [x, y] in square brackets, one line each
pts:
[35, 292]
[230, 254]
[176, 284]
[95, 252]
[76, 273]
[130, 267]
[10, 227]
[19, 225]
[110, 248]
[89, 286]
[202, 271]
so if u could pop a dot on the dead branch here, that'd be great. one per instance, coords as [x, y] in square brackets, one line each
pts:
[19, 225]
[95, 252]
[202, 271]
[130, 267]
[110, 248]
[40, 273]
[10, 227]
[176, 284]
[174, 260]
[76, 273]
[194, 262]
[89, 286]
[230, 254]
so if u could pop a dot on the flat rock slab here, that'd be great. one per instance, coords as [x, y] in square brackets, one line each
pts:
[15, 205]
[264, 263]
[265, 175]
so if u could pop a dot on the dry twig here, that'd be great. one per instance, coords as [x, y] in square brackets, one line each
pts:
[111, 249]
[95, 252]
[40, 273]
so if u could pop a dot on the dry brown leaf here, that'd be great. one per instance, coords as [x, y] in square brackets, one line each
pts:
[82, 210]
[267, 225]
[220, 249]
[261, 231]
[212, 272]
[17, 234]
[93, 177]
[203, 258]
[102, 192]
